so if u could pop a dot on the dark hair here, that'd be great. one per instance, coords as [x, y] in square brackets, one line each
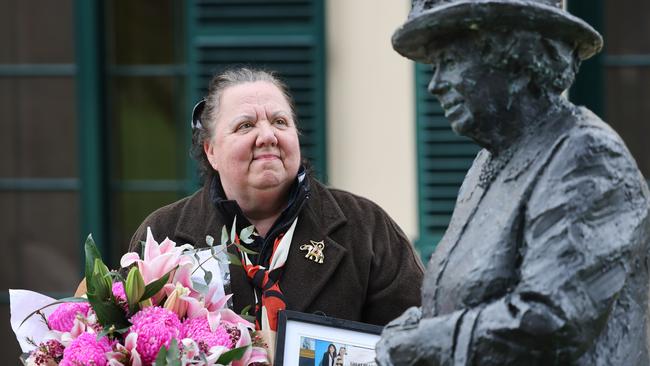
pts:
[218, 84]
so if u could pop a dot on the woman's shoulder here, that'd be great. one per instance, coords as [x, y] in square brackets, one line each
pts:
[163, 221]
[351, 205]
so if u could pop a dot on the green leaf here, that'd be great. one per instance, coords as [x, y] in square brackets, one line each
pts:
[234, 259]
[108, 313]
[153, 288]
[92, 253]
[134, 286]
[161, 357]
[233, 354]
[247, 240]
[111, 330]
[209, 240]
[246, 232]
[244, 249]
[101, 280]
[67, 299]
[200, 287]
[207, 277]
[246, 309]
[224, 235]
[116, 276]
[173, 354]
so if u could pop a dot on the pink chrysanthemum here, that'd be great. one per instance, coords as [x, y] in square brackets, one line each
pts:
[156, 327]
[62, 319]
[198, 329]
[118, 290]
[85, 350]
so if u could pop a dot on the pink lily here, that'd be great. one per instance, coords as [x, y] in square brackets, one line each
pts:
[158, 260]
[252, 354]
[127, 350]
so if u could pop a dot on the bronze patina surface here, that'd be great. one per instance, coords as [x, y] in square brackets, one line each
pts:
[545, 261]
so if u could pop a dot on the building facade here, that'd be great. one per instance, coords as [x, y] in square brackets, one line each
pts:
[95, 98]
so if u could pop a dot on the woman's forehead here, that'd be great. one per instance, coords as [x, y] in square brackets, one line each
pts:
[254, 93]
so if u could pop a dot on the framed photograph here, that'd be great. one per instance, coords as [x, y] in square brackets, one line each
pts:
[315, 340]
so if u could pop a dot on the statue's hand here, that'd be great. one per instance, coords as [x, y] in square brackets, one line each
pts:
[408, 320]
[400, 340]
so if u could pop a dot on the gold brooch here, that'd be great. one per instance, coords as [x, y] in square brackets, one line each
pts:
[314, 250]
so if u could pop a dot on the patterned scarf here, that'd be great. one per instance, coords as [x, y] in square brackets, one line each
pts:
[268, 281]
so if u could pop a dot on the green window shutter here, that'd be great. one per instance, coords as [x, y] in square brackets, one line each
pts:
[443, 159]
[286, 36]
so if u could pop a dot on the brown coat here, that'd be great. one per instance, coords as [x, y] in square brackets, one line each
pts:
[370, 271]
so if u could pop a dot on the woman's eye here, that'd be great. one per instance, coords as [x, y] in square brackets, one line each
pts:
[244, 126]
[281, 122]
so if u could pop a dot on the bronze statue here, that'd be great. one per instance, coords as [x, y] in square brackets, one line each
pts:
[545, 261]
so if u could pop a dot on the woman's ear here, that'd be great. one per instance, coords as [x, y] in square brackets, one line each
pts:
[209, 153]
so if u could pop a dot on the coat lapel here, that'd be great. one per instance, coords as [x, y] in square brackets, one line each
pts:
[303, 278]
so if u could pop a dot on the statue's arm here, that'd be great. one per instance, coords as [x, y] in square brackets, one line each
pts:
[576, 248]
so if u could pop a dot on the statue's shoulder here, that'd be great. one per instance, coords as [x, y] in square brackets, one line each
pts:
[591, 134]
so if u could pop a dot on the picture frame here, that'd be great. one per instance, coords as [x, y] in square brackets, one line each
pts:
[305, 339]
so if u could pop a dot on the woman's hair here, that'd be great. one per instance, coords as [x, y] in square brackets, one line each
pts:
[218, 84]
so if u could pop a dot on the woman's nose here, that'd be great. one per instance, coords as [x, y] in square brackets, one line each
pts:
[266, 135]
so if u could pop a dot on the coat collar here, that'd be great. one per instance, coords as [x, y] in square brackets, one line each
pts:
[303, 279]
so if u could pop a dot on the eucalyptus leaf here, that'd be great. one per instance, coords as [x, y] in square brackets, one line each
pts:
[209, 240]
[161, 357]
[224, 235]
[234, 259]
[233, 231]
[207, 277]
[234, 354]
[200, 287]
[61, 301]
[247, 240]
[246, 232]
[173, 354]
[245, 250]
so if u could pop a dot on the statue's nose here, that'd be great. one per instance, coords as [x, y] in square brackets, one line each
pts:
[437, 85]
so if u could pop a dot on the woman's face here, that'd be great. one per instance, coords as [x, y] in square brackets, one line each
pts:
[254, 145]
[331, 349]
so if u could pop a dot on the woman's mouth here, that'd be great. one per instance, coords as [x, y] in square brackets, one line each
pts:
[266, 157]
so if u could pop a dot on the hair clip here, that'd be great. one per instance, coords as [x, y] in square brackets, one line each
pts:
[196, 115]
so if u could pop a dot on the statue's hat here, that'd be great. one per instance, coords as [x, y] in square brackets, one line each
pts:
[432, 22]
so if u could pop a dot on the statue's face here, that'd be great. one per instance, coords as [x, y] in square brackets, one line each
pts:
[474, 95]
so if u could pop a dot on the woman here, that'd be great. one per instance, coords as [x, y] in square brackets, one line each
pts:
[246, 141]
[329, 356]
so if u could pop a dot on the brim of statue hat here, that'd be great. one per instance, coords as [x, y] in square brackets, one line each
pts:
[437, 25]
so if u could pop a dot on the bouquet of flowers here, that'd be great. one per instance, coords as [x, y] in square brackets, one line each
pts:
[158, 315]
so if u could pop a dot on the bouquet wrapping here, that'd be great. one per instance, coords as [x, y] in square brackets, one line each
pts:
[170, 309]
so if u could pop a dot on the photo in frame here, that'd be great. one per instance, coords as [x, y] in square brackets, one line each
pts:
[307, 339]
